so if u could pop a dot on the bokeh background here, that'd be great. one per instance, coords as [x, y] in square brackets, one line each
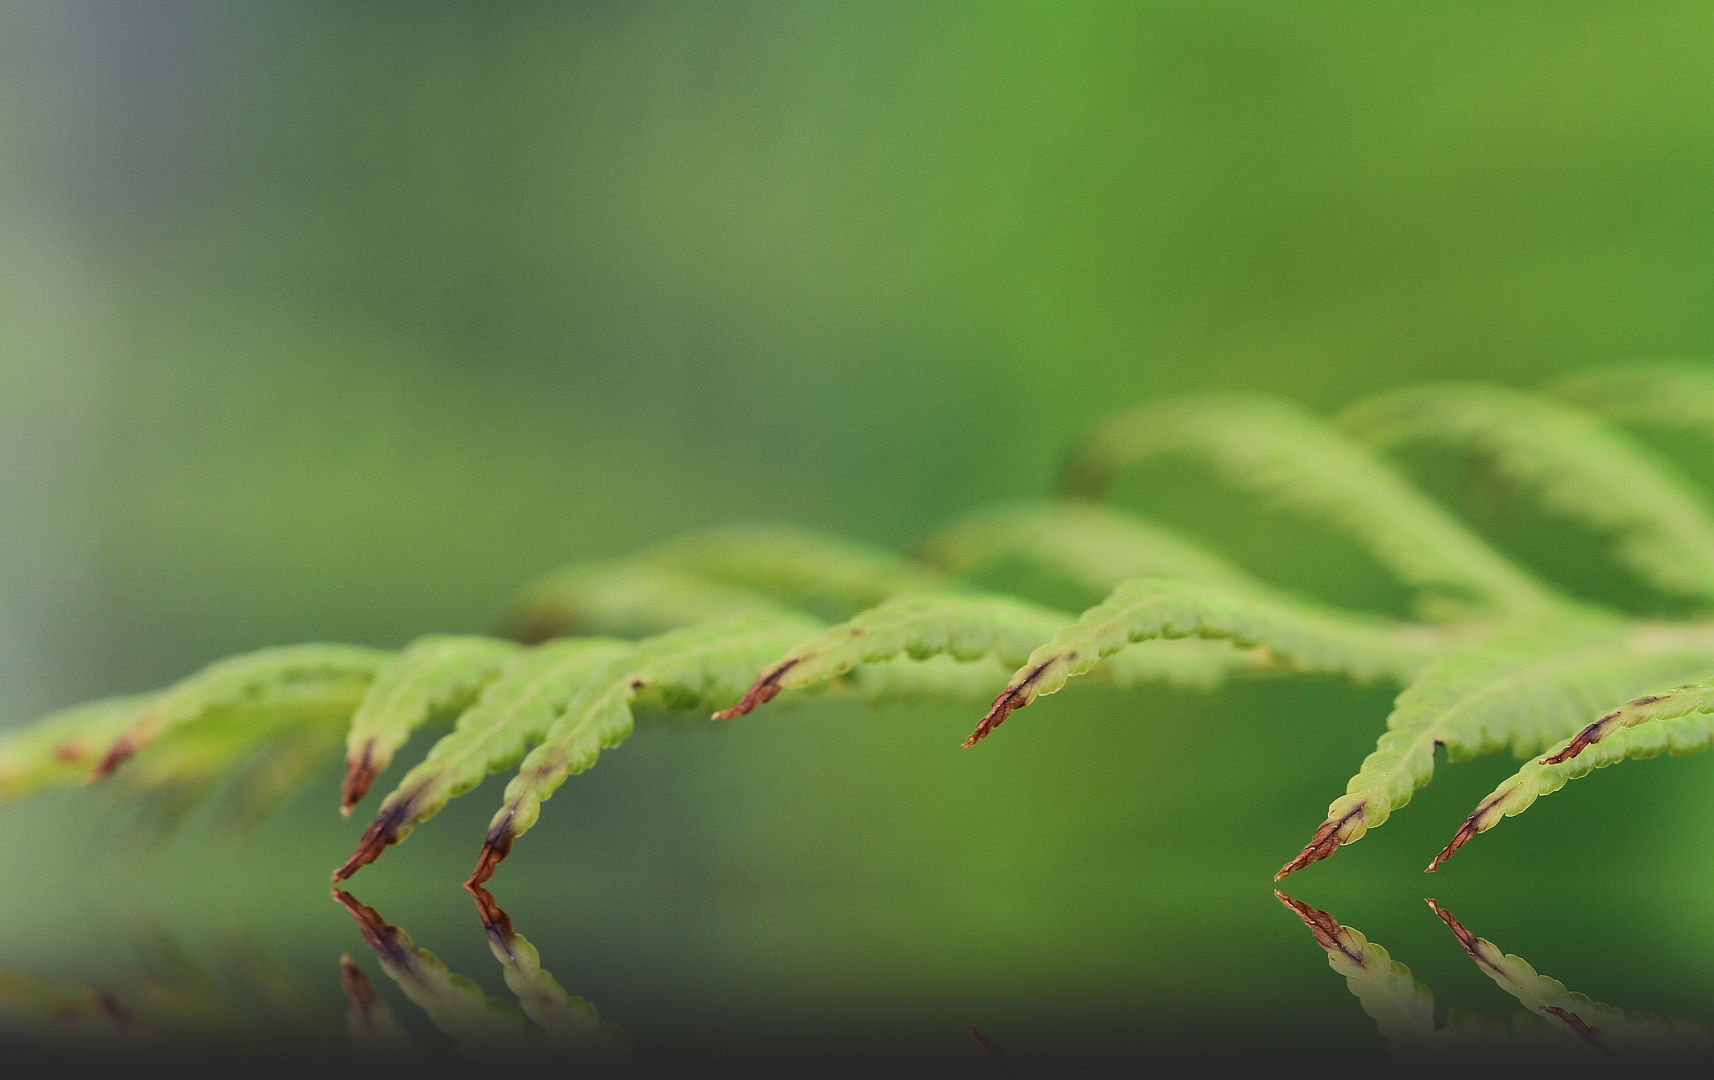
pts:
[342, 320]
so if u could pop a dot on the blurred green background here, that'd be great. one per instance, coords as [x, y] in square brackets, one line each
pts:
[340, 321]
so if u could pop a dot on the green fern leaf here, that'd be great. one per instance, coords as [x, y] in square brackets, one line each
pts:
[571, 1023]
[1281, 453]
[937, 678]
[276, 773]
[690, 668]
[1656, 393]
[964, 626]
[481, 1027]
[1525, 690]
[624, 598]
[515, 709]
[1577, 465]
[798, 567]
[1679, 721]
[283, 737]
[1301, 636]
[64, 747]
[1092, 546]
[433, 673]
[240, 684]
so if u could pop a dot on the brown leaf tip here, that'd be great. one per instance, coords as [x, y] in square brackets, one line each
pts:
[360, 773]
[1467, 831]
[116, 755]
[495, 848]
[1325, 842]
[1011, 699]
[380, 834]
[765, 689]
[1324, 926]
[1586, 738]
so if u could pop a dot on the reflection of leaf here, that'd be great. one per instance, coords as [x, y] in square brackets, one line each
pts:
[369, 1023]
[269, 990]
[481, 1026]
[1600, 1027]
[67, 1016]
[1403, 1009]
[571, 1023]
[1557, 1021]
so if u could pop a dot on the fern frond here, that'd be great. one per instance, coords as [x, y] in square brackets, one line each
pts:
[694, 667]
[628, 598]
[1601, 1027]
[571, 1023]
[432, 674]
[279, 740]
[1090, 545]
[1302, 636]
[1679, 721]
[481, 1026]
[241, 684]
[1525, 690]
[1275, 450]
[369, 1022]
[63, 748]
[901, 649]
[514, 710]
[1656, 393]
[275, 774]
[1402, 1008]
[1575, 463]
[798, 567]
[964, 626]
[938, 678]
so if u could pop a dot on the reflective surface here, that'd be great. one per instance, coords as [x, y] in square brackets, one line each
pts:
[341, 322]
[1059, 900]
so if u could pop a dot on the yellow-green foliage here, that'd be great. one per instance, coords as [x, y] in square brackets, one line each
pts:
[725, 619]
[1578, 465]
[1275, 450]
